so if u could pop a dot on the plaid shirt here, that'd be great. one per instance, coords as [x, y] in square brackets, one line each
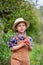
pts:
[13, 41]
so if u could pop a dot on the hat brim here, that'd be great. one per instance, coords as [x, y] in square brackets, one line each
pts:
[26, 22]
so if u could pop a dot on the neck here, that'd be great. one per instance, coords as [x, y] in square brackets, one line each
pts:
[21, 34]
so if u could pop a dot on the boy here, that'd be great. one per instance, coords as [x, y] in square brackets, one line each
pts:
[20, 43]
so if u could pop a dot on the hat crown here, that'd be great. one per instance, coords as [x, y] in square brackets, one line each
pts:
[19, 20]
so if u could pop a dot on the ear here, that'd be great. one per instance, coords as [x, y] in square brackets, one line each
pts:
[16, 28]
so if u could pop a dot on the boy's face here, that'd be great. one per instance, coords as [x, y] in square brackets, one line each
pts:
[21, 27]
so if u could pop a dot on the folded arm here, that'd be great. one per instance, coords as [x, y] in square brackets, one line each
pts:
[18, 46]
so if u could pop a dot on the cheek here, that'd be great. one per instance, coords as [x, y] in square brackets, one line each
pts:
[24, 28]
[18, 28]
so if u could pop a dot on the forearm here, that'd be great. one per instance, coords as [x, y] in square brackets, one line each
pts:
[14, 48]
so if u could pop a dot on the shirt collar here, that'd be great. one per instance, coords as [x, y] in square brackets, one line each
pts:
[24, 34]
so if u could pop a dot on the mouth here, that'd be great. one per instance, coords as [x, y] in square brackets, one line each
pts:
[21, 29]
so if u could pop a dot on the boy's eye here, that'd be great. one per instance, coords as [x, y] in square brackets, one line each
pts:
[23, 25]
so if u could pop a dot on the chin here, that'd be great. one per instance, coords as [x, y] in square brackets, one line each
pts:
[21, 32]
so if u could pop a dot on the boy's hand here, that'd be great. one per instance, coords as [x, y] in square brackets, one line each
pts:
[26, 41]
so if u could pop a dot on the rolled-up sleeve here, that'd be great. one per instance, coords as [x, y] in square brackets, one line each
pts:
[12, 42]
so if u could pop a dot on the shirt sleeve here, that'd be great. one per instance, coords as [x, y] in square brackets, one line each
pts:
[12, 42]
[31, 40]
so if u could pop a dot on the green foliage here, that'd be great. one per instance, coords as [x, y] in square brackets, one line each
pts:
[5, 52]
[41, 10]
[9, 11]
[36, 55]
[12, 9]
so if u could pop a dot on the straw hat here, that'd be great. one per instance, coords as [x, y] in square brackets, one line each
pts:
[19, 20]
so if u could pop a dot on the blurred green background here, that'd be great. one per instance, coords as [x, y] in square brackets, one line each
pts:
[9, 11]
